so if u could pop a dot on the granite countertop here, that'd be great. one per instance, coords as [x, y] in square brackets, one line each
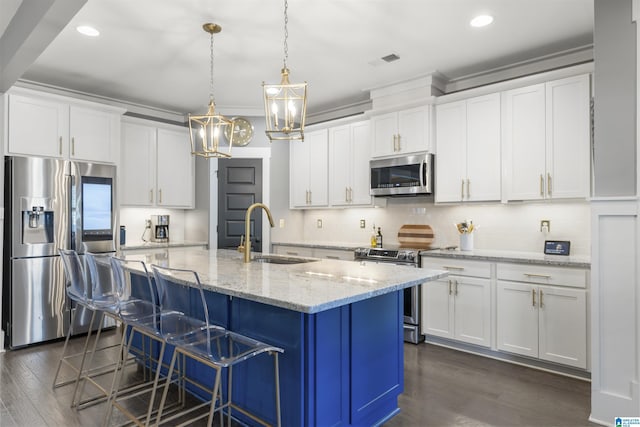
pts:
[512, 256]
[158, 245]
[330, 245]
[307, 287]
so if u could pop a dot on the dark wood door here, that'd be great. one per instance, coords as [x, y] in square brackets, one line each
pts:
[239, 186]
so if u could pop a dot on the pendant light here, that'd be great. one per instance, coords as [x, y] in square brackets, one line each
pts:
[285, 104]
[206, 131]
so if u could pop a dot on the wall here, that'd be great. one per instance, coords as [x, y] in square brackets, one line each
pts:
[615, 99]
[133, 218]
[498, 226]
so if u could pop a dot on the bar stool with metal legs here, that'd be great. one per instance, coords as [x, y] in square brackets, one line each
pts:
[78, 292]
[212, 346]
[142, 316]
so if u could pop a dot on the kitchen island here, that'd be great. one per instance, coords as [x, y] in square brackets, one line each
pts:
[339, 323]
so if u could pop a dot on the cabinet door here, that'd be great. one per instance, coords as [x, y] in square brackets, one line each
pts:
[568, 137]
[299, 173]
[517, 314]
[360, 171]
[385, 131]
[525, 142]
[563, 326]
[413, 130]
[92, 134]
[472, 310]
[483, 148]
[451, 121]
[137, 165]
[340, 160]
[37, 127]
[437, 308]
[318, 167]
[175, 174]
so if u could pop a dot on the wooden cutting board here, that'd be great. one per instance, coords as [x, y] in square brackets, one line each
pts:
[415, 236]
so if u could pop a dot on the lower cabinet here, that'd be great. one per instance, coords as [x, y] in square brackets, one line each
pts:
[541, 321]
[306, 251]
[458, 307]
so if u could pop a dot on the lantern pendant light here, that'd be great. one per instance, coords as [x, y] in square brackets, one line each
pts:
[285, 104]
[206, 131]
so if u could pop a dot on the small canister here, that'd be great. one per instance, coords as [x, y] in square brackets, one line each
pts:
[123, 235]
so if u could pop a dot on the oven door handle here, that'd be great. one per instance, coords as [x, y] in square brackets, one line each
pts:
[423, 178]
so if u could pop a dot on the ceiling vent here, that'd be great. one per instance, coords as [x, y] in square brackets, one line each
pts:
[390, 58]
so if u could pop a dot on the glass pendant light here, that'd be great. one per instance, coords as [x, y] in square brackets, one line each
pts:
[206, 131]
[285, 104]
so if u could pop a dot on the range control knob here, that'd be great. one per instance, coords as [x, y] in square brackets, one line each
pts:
[411, 256]
[402, 255]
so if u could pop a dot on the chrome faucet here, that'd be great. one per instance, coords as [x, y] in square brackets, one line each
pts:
[245, 240]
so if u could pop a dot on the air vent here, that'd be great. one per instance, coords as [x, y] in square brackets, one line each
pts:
[390, 58]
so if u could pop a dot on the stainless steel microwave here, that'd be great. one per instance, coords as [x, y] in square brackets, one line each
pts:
[402, 176]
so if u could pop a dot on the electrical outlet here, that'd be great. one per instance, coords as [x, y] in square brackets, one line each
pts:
[363, 224]
[319, 223]
[545, 225]
[281, 223]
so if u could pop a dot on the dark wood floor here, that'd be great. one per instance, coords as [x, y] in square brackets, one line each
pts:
[443, 387]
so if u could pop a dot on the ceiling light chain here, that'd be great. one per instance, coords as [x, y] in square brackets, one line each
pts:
[211, 97]
[286, 33]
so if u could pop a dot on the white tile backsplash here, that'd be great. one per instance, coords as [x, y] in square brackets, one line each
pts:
[133, 219]
[513, 226]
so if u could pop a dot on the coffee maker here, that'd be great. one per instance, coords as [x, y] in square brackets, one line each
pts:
[160, 228]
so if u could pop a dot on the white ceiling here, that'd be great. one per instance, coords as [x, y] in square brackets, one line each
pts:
[154, 52]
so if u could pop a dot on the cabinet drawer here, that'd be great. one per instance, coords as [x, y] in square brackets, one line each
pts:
[333, 254]
[459, 267]
[546, 275]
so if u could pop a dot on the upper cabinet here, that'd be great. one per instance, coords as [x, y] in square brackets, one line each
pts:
[156, 167]
[309, 170]
[48, 125]
[547, 140]
[468, 146]
[401, 132]
[349, 153]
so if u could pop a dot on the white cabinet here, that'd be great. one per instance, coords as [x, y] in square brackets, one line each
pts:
[458, 307]
[468, 143]
[305, 251]
[309, 171]
[349, 153]
[156, 168]
[54, 126]
[547, 140]
[401, 132]
[542, 321]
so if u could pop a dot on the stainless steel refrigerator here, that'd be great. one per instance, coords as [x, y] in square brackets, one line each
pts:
[50, 204]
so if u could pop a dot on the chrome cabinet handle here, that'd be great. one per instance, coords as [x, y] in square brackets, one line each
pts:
[533, 297]
[549, 186]
[310, 199]
[462, 189]
[291, 253]
[346, 194]
[60, 145]
[350, 194]
[399, 143]
[455, 284]
[332, 257]
[452, 267]
[541, 296]
[468, 188]
[73, 146]
[160, 196]
[395, 143]
[450, 287]
[541, 185]
[151, 196]
[540, 276]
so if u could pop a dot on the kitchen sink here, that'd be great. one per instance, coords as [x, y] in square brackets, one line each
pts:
[272, 259]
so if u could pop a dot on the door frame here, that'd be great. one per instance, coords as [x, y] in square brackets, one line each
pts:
[263, 153]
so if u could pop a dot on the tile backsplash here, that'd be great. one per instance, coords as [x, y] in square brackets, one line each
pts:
[513, 226]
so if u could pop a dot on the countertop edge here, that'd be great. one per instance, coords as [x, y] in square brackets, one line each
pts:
[511, 257]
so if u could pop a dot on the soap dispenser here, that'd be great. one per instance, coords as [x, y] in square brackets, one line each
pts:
[374, 239]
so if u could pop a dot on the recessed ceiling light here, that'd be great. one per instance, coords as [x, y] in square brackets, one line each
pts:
[481, 21]
[88, 31]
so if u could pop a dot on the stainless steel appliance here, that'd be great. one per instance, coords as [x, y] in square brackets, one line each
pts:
[402, 176]
[160, 228]
[50, 204]
[412, 296]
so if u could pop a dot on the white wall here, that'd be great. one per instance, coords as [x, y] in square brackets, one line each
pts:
[513, 226]
[133, 219]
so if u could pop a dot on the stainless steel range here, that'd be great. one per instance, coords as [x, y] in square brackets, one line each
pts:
[412, 296]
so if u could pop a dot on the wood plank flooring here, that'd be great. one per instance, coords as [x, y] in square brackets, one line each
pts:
[443, 387]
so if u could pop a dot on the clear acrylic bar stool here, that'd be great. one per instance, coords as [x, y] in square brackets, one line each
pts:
[210, 345]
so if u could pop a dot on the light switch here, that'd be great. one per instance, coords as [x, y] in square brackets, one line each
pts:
[363, 224]
[281, 223]
[319, 223]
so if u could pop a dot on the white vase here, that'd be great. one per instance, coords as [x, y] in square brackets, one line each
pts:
[466, 242]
